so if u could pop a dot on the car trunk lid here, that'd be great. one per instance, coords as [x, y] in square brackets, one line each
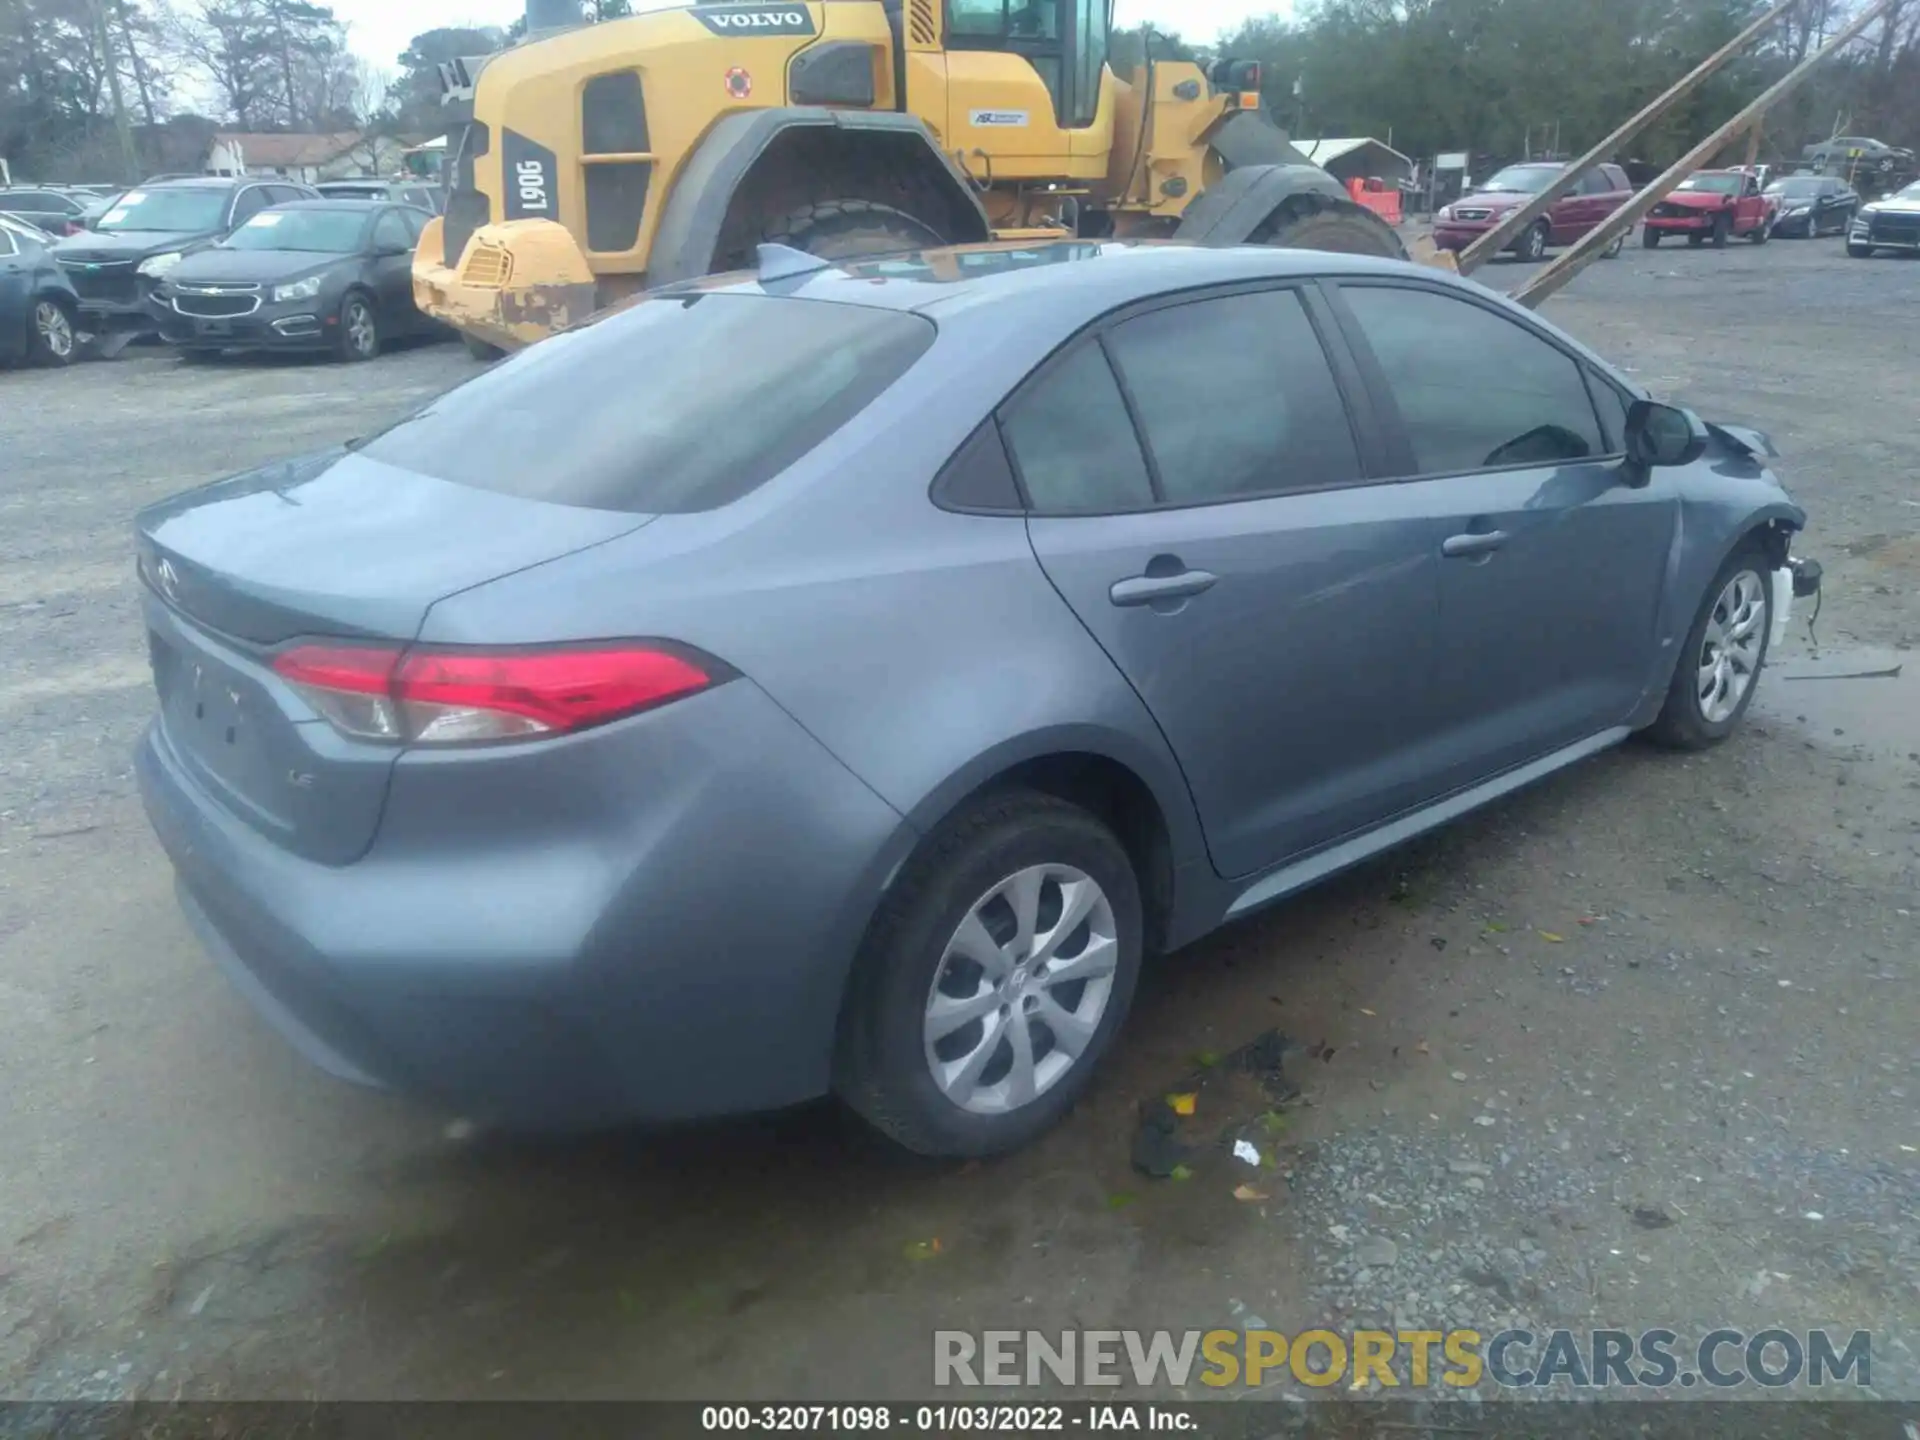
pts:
[334, 546]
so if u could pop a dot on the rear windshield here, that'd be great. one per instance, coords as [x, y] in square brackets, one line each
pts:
[674, 404]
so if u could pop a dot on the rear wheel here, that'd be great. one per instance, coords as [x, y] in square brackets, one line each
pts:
[1612, 252]
[1762, 233]
[1342, 230]
[994, 978]
[846, 229]
[52, 337]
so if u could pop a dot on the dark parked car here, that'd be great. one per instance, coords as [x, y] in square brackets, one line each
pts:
[39, 312]
[1600, 192]
[416, 193]
[1812, 205]
[334, 275]
[1889, 224]
[854, 708]
[55, 211]
[151, 229]
[1857, 154]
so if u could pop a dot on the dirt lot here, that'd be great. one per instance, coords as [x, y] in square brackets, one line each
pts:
[1684, 987]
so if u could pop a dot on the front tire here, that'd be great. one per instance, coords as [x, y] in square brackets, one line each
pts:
[1859, 252]
[848, 229]
[993, 980]
[1532, 246]
[359, 337]
[1720, 665]
[1722, 232]
[1650, 239]
[1612, 252]
[52, 336]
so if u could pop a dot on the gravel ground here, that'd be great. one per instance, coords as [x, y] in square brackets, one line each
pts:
[1637, 1048]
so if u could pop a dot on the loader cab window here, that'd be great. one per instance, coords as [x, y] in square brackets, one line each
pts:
[1065, 40]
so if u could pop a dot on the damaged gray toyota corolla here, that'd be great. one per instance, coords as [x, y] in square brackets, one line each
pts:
[850, 704]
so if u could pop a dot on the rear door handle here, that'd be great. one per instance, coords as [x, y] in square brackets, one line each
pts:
[1149, 589]
[1461, 547]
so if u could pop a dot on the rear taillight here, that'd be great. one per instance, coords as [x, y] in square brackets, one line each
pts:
[449, 697]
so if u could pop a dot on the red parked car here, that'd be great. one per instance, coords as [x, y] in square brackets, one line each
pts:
[1714, 205]
[1599, 192]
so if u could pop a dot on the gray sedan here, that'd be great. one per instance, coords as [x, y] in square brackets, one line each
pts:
[840, 679]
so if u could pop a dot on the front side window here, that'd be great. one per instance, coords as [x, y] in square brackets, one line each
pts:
[739, 387]
[1475, 390]
[1004, 19]
[1074, 442]
[1236, 398]
[1091, 61]
[390, 232]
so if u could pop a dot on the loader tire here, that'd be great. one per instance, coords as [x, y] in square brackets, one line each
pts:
[1342, 230]
[844, 229]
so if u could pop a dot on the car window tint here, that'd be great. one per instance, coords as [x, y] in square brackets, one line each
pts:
[1474, 389]
[1236, 398]
[1612, 406]
[739, 387]
[390, 232]
[249, 203]
[1074, 442]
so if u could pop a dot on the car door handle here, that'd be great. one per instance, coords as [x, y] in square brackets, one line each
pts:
[1148, 589]
[1461, 547]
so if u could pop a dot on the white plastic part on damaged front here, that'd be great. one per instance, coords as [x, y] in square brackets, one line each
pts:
[1782, 606]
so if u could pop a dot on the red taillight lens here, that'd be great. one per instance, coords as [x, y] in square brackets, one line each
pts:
[444, 697]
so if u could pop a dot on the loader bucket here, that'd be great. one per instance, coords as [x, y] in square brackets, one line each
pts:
[483, 296]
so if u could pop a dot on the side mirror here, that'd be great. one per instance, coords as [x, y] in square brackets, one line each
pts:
[1664, 435]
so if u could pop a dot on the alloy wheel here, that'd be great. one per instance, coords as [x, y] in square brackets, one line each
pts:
[55, 330]
[1730, 650]
[361, 332]
[1021, 988]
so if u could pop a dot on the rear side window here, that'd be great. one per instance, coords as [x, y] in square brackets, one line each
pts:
[1074, 442]
[669, 406]
[1475, 390]
[1236, 398]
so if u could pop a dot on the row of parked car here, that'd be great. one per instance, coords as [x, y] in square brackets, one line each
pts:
[210, 264]
[1709, 207]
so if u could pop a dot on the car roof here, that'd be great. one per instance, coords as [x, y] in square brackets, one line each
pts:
[196, 182]
[1065, 278]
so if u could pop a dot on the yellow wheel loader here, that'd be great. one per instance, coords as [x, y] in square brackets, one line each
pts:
[596, 161]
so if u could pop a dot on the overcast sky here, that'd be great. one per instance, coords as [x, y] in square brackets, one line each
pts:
[381, 28]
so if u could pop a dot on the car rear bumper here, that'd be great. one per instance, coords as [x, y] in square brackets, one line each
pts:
[583, 965]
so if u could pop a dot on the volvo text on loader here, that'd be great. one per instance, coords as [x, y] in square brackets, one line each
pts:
[596, 161]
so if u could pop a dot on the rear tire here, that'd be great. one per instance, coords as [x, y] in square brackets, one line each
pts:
[1612, 252]
[915, 961]
[1762, 234]
[53, 335]
[1342, 230]
[848, 229]
[1685, 722]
